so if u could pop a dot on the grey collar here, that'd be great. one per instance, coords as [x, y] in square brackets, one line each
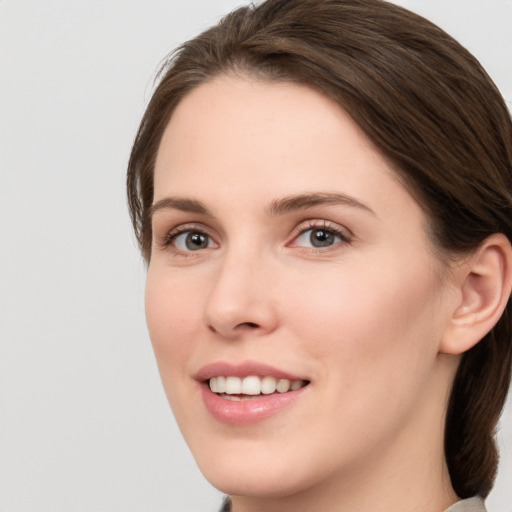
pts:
[475, 504]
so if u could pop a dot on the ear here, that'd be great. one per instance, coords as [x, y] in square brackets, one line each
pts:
[484, 284]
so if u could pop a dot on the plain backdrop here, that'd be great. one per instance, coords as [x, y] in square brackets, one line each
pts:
[84, 424]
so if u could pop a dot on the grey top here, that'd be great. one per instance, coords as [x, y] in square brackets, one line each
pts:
[475, 504]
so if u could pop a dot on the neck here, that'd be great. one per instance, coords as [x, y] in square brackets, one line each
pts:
[421, 491]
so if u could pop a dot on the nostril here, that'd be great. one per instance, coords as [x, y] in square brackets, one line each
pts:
[249, 325]
[240, 327]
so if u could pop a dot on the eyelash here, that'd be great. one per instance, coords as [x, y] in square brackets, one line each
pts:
[170, 237]
[321, 225]
[344, 235]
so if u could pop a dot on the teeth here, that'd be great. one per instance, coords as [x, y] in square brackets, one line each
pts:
[221, 385]
[268, 385]
[233, 386]
[296, 384]
[252, 385]
[283, 386]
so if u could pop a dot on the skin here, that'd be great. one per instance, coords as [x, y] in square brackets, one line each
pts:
[362, 319]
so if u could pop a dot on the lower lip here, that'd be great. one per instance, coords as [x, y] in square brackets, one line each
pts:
[247, 412]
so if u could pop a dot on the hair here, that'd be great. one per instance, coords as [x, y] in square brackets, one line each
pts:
[431, 110]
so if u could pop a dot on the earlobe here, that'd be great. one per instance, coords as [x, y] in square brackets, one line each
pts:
[485, 283]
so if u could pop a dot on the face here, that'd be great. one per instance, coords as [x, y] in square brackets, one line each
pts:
[286, 253]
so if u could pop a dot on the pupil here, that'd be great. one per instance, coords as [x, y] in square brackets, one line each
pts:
[321, 238]
[196, 241]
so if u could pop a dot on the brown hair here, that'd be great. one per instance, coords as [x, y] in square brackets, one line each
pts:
[427, 105]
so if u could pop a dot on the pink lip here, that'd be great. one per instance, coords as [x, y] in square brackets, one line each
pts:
[251, 411]
[221, 368]
[247, 412]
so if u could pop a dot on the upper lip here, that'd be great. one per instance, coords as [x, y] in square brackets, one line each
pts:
[241, 370]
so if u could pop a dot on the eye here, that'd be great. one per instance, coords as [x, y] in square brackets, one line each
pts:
[192, 241]
[320, 237]
[317, 238]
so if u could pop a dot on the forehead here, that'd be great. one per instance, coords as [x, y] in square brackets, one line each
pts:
[234, 126]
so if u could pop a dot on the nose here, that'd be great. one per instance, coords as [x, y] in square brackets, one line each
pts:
[241, 301]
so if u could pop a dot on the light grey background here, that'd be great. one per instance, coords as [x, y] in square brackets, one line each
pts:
[84, 424]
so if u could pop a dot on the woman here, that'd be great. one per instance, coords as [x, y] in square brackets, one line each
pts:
[323, 193]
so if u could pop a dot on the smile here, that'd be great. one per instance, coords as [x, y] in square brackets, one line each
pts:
[247, 388]
[249, 392]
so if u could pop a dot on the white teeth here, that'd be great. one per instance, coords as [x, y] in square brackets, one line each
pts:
[221, 385]
[233, 385]
[283, 386]
[268, 385]
[233, 398]
[252, 385]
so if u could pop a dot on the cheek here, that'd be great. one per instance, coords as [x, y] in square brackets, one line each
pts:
[173, 315]
[369, 322]
[374, 338]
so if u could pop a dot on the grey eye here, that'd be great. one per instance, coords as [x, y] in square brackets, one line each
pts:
[322, 238]
[193, 241]
[318, 237]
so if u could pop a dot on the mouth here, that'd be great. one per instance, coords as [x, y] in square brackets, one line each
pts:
[248, 393]
[252, 387]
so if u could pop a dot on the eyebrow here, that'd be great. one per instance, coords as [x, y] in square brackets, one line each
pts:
[304, 201]
[278, 207]
[183, 204]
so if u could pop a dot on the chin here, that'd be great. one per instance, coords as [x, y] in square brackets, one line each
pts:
[248, 480]
[271, 469]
